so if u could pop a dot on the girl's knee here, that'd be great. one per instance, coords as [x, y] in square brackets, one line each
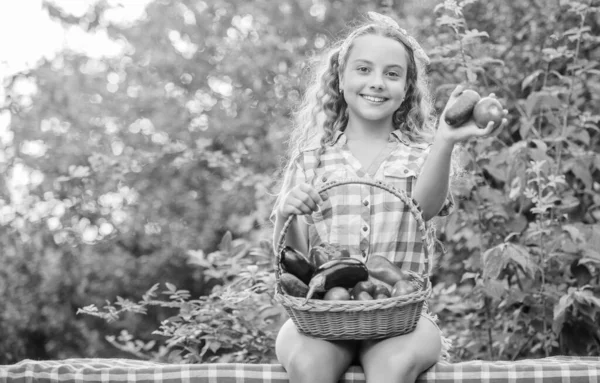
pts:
[312, 360]
[314, 366]
[401, 367]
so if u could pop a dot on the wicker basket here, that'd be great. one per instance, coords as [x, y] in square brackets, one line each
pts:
[355, 320]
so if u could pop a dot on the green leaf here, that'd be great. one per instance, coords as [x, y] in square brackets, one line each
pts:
[529, 79]
[471, 75]
[581, 170]
[473, 34]
[214, 346]
[467, 276]
[541, 100]
[520, 255]
[560, 311]
[494, 289]
[450, 21]
[225, 245]
[493, 262]
[591, 255]
[574, 233]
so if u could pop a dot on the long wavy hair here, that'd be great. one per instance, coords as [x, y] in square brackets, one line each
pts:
[323, 109]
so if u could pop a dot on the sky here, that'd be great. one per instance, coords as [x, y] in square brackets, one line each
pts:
[28, 34]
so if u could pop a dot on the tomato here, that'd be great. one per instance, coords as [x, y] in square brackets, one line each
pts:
[486, 110]
[367, 286]
[363, 296]
[381, 290]
[337, 294]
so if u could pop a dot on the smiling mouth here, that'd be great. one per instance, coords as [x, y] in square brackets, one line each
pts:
[373, 99]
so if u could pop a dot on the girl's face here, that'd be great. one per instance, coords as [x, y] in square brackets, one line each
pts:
[374, 80]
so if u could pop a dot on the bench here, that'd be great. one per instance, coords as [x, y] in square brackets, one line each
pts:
[558, 369]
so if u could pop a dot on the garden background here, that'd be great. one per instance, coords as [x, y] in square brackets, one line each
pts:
[137, 187]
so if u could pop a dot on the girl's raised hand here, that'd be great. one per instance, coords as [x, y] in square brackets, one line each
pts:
[469, 129]
[302, 199]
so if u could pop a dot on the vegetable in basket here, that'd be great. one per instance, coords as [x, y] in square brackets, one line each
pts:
[403, 287]
[317, 256]
[343, 272]
[381, 292]
[364, 286]
[297, 264]
[384, 270]
[337, 293]
[333, 251]
[292, 285]
[364, 296]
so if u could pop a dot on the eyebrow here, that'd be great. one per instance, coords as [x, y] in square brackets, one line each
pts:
[369, 62]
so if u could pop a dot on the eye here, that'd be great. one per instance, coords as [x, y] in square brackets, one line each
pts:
[362, 69]
[393, 74]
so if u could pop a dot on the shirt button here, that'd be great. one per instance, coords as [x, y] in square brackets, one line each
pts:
[324, 179]
[364, 253]
[365, 228]
[366, 203]
[405, 170]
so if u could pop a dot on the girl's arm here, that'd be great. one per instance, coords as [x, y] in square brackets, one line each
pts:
[431, 188]
[296, 198]
[296, 235]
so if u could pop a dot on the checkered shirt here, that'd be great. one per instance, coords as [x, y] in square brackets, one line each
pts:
[362, 218]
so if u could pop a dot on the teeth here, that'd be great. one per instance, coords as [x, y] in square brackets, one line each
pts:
[374, 99]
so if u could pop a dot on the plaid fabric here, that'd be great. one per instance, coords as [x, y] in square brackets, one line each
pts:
[547, 370]
[364, 219]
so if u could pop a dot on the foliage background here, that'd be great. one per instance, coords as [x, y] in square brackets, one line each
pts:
[146, 179]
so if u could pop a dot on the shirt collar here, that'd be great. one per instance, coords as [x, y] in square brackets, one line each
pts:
[395, 134]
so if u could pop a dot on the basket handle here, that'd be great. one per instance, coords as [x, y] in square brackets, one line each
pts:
[415, 210]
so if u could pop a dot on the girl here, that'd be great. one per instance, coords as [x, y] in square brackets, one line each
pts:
[370, 112]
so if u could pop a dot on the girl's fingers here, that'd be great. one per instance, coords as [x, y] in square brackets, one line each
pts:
[291, 210]
[488, 129]
[304, 203]
[288, 209]
[311, 192]
[491, 129]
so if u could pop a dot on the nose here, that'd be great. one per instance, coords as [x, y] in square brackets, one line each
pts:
[377, 82]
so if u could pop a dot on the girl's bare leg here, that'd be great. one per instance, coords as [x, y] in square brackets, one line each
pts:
[312, 360]
[402, 358]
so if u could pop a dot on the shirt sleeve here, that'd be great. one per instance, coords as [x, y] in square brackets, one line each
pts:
[294, 174]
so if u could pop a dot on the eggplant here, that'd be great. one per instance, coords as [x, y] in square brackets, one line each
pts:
[462, 108]
[297, 264]
[343, 272]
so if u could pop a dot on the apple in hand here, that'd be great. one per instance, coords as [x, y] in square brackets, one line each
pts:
[486, 110]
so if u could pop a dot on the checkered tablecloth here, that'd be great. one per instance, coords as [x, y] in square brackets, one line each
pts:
[547, 370]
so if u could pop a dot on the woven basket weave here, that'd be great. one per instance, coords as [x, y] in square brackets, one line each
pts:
[355, 320]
